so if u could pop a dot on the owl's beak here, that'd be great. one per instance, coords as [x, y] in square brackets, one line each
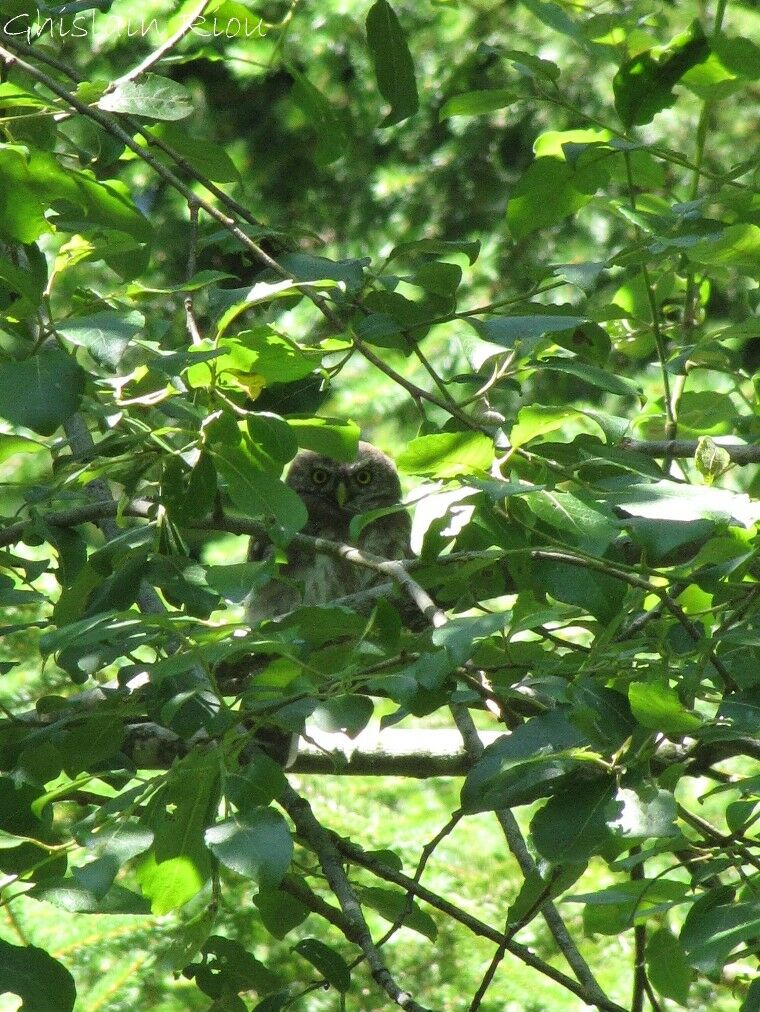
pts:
[341, 493]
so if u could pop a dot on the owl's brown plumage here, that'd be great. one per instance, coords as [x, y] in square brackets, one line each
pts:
[334, 493]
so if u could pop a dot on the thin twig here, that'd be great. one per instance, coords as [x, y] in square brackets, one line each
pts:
[476, 926]
[190, 321]
[474, 749]
[309, 827]
[186, 26]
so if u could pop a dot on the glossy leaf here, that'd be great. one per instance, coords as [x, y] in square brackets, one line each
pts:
[256, 844]
[334, 437]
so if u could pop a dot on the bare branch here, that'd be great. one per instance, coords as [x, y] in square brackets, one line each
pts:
[478, 927]
[185, 27]
[740, 453]
[308, 826]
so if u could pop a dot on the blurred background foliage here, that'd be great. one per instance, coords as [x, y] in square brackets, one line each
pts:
[324, 178]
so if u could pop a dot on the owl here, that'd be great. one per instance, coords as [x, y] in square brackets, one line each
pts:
[334, 493]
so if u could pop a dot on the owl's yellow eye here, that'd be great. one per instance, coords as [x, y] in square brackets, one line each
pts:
[363, 477]
[320, 476]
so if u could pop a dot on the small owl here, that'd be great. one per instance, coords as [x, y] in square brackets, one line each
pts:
[333, 494]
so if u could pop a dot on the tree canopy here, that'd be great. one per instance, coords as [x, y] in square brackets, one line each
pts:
[516, 246]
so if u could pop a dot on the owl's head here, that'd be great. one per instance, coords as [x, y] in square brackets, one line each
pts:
[326, 485]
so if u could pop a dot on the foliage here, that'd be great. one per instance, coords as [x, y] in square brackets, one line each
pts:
[529, 266]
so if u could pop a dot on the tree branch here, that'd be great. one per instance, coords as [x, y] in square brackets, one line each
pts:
[740, 453]
[185, 27]
[309, 827]
[477, 927]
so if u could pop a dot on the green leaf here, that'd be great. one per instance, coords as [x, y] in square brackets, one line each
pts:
[752, 997]
[75, 898]
[706, 413]
[327, 961]
[42, 391]
[236, 581]
[151, 95]
[531, 65]
[662, 539]
[260, 782]
[670, 500]
[392, 60]
[598, 593]
[258, 494]
[643, 85]
[178, 863]
[206, 157]
[555, 17]
[105, 335]
[273, 436]
[348, 273]
[477, 103]
[98, 202]
[522, 766]
[447, 454]
[12, 96]
[230, 968]
[280, 912]
[600, 378]
[331, 135]
[390, 904]
[656, 706]
[572, 825]
[24, 282]
[349, 714]
[549, 191]
[643, 812]
[11, 445]
[667, 966]
[258, 356]
[588, 525]
[735, 246]
[577, 333]
[627, 904]
[43, 984]
[438, 278]
[710, 459]
[256, 844]
[22, 219]
[461, 634]
[438, 247]
[710, 935]
[536, 420]
[334, 437]
[741, 711]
